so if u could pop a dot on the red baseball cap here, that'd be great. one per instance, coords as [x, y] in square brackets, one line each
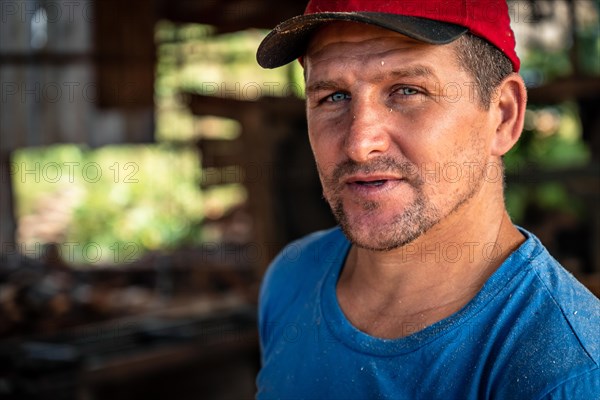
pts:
[430, 21]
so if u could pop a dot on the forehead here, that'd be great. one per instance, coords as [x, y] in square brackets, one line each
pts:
[351, 32]
[343, 41]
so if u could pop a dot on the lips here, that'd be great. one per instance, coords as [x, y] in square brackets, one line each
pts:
[375, 180]
[371, 183]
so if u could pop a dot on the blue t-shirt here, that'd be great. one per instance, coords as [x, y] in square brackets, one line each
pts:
[532, 332]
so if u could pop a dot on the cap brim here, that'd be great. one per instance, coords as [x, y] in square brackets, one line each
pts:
[289, 39]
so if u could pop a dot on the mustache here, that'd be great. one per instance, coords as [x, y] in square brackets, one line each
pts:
[405, 169]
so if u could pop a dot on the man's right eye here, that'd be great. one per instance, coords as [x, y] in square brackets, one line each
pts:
[338, 96]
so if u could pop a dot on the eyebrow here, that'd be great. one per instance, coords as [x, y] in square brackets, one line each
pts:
[322, 85]
[414, 71]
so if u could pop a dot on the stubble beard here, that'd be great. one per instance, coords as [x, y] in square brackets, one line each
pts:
[413, 221]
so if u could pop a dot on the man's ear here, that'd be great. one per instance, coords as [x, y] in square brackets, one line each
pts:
[509, 104]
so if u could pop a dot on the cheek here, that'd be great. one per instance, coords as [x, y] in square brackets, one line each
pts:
[435, 136]
[326, 159]
[444, 154]
[326, 144]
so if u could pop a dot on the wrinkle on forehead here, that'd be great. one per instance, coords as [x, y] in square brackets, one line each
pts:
[353, 34]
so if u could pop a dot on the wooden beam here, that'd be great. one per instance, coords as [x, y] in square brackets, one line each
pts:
[231, 15]
[571, 88]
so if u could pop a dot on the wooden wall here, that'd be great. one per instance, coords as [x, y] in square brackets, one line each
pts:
[73, 72]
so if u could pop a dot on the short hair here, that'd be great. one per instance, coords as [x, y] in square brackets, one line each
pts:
[485, 63]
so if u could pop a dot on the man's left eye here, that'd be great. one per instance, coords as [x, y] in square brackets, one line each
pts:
[408, 91]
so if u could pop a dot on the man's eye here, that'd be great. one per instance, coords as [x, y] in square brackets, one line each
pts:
[338, 96]
[408, 91]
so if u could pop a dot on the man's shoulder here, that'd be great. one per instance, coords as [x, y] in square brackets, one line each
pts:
[314, 249]
[549, 325]
[319, 241]
[576, 305]
[304, 262]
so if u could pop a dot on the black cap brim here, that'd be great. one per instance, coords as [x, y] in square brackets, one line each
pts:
[289, 40]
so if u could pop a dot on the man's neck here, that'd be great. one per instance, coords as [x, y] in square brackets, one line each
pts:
[383, 293]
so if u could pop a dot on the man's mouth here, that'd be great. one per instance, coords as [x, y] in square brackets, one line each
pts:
[376, 183]
[372, 183]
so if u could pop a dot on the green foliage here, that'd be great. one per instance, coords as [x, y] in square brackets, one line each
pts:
[194, 60]
[550, 144]
[543, 66]
[144, 197]
[551, 141]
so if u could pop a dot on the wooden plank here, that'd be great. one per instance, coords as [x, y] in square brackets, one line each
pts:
[245, 111]
[126, 53]
[221, 153]
[7, 220]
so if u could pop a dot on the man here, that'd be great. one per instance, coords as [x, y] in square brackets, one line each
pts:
[427, 290]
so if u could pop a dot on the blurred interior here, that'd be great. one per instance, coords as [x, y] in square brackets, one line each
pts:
[150, 170]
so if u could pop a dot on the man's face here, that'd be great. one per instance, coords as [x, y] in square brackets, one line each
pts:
[398, 136]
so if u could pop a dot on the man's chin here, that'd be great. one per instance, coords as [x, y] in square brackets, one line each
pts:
[378, 237]
[376, 232]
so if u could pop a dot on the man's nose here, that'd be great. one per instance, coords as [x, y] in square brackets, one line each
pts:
[368, 136]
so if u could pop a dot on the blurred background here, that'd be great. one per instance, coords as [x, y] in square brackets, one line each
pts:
[150, 170]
